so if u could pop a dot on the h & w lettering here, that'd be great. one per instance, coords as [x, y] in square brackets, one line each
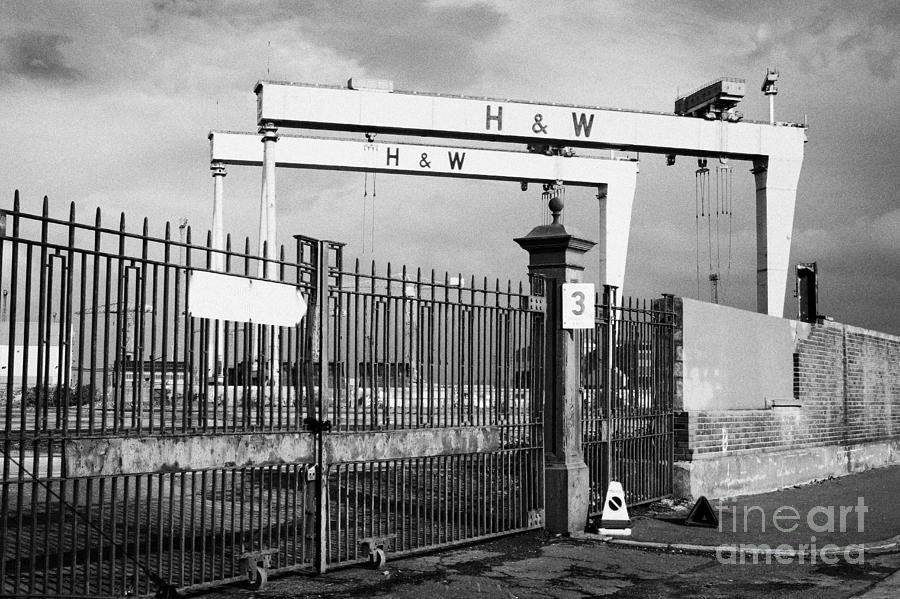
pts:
[582, 123]
[494, 117]
[395, 156]
[456, 161]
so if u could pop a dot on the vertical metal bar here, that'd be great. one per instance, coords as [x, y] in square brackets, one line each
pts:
[10, 383]
[26, 350]
[171, 531]
[291, 540]
[65, 320]
[154, 307]
[608, 349]
[217, 528]
[160, 477]
[180, 364]
[79, 392]
[321, 504]
[114, 538]
[39, 421]
[234, 508]
[104, 420]
[191, 364]
[166, 370]
[395, 317]
[416, 493]
[43, 395]
[102, 533]
[89, 537]
[95, 290]
[136, 583]
[203, 534]
[182, 545]
[139, 333]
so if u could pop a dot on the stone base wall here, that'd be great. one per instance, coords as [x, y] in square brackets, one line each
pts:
[841, 414]
[752, 471]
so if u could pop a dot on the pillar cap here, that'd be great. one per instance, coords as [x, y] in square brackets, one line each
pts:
[553, 237]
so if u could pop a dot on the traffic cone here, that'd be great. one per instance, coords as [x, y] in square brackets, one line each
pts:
[615, 520]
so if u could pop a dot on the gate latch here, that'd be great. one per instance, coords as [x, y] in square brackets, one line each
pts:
[314, 425]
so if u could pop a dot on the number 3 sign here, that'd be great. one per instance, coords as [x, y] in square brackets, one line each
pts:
[578, 305]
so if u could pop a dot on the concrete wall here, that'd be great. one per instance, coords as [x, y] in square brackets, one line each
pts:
[782, 402]
[734, 359]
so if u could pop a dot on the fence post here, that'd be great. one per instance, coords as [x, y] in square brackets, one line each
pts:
[323, 344]
[555, 255]
[609, 381]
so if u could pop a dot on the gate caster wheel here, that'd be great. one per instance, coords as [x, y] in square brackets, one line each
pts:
[257, 578]
[379, 559]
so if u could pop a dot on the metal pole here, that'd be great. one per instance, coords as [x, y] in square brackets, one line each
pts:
[321, 533]
[609, 351]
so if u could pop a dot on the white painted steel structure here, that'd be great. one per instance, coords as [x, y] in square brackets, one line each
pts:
[295, 151]
[775, 150]
[616, 179]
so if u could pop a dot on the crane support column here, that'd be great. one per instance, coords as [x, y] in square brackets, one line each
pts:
[616, 201]
[267, 222]
[776, 196]
[218, 218]
[216, 349]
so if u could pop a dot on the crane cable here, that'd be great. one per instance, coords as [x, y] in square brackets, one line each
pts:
[366, 224]
[365, 200]
[703, 210]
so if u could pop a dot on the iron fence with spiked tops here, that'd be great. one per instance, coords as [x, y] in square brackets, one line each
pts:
[146, 450]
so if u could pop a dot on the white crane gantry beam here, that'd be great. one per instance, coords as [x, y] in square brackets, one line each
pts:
[775, 150]
[614, 178]
[461, 117]
[296, 151]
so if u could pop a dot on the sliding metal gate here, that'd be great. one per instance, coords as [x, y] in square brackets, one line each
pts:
[145, 450]
[628, 390]
[435, 406]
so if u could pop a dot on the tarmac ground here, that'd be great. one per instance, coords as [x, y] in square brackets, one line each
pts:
[769, 555]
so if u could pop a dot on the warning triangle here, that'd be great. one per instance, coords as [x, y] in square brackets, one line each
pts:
[702, 514]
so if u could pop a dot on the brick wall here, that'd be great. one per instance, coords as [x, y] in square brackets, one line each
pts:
[846, 391]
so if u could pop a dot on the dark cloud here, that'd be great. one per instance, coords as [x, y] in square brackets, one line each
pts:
[36, 55]
[414, 43]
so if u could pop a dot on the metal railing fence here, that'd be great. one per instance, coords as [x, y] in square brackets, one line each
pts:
[627, 378]
[146, 450]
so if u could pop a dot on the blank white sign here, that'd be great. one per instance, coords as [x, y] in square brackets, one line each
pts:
[578, 305]
[229, 297]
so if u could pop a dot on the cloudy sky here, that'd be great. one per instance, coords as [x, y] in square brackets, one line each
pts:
[109, 104]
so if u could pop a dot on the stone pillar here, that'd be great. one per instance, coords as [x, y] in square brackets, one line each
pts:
[557, 256]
